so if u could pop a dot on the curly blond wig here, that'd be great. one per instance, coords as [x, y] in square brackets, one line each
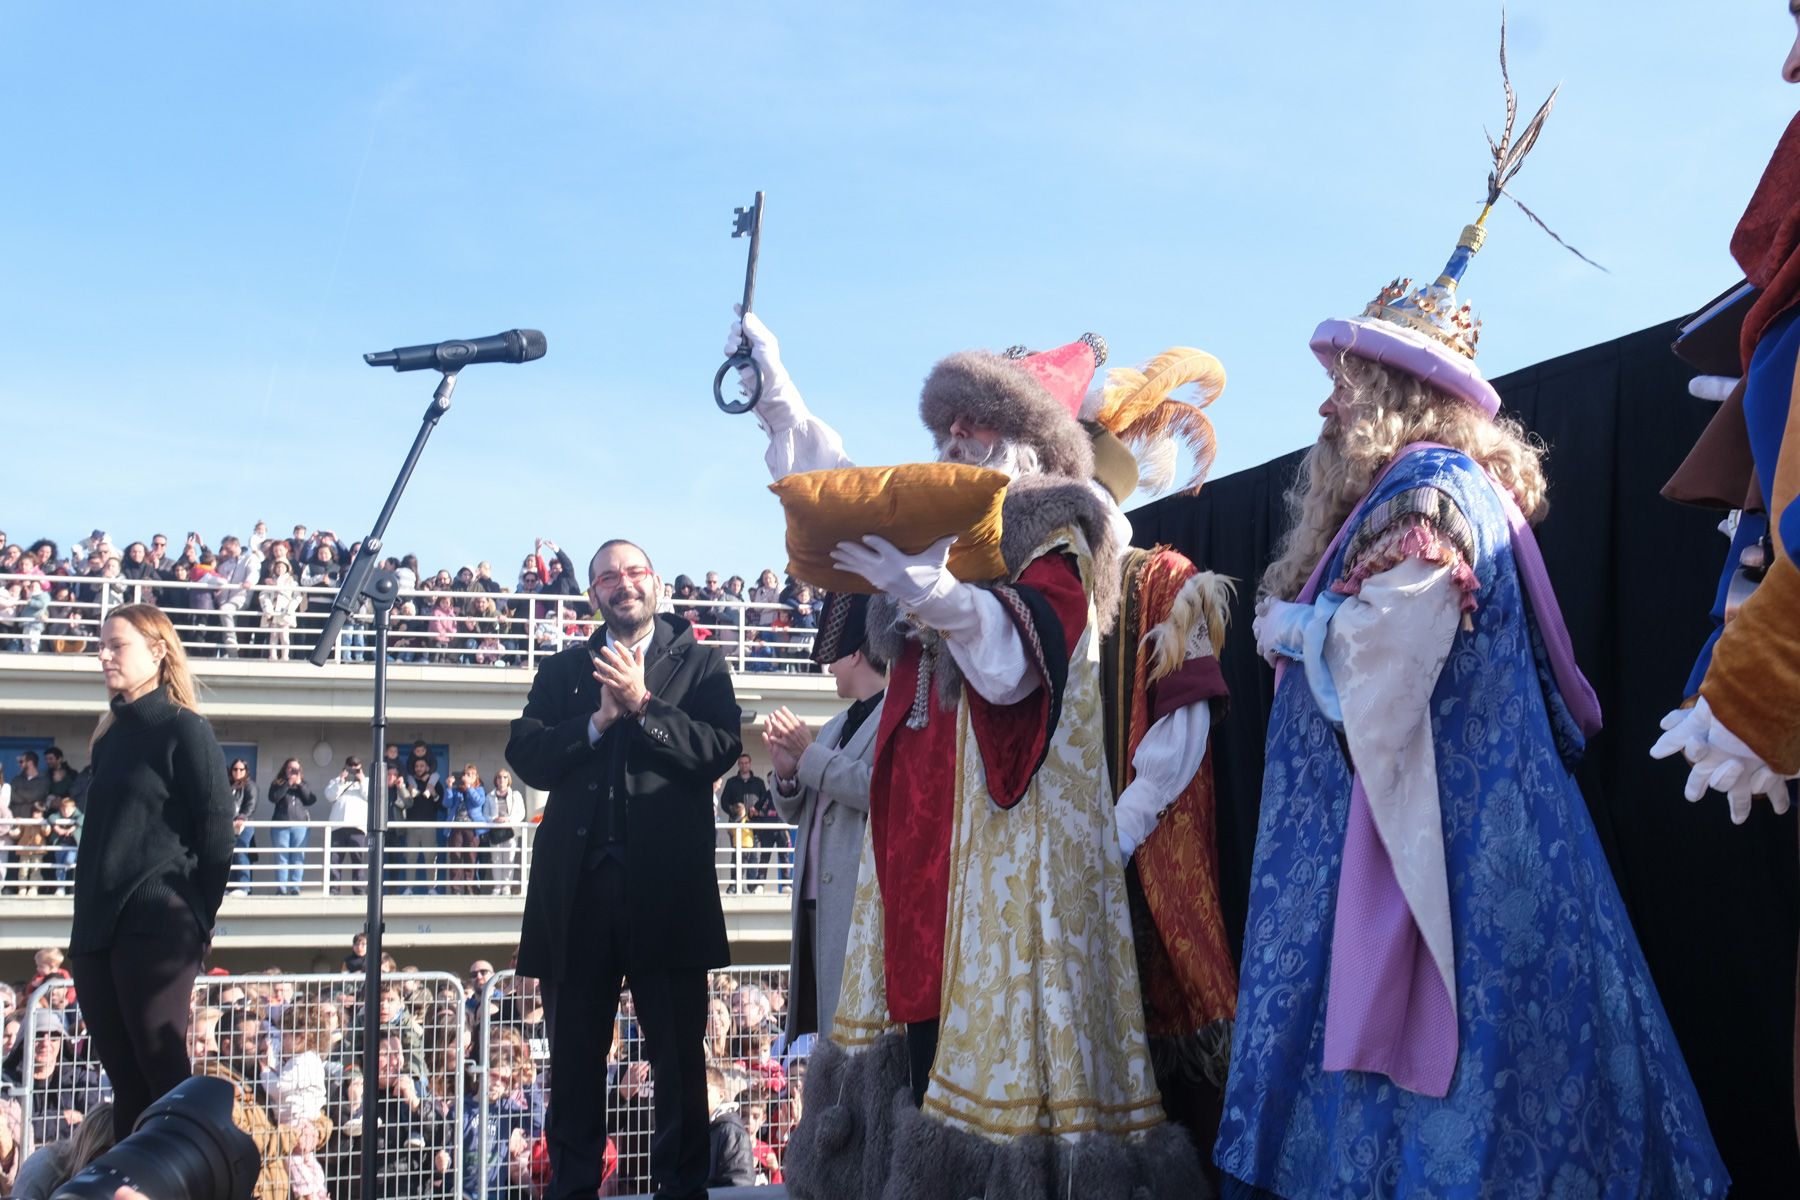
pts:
[1390, 410]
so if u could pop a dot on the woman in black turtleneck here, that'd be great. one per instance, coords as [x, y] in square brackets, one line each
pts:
[153, 861]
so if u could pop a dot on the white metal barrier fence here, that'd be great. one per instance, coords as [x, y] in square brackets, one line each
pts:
[321, 858]
[273, 1037]
[463, 1089]
[745, 1009]
[440, 628]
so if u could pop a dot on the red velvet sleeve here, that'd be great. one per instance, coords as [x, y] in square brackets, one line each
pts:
[1014, 738]
[1194, 680]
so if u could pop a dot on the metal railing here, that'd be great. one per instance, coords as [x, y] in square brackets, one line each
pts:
[214, 620]
[468, 1121]
[324, 858]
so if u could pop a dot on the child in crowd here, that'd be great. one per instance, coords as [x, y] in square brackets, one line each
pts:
[741, 840]
[306, 1176]
[465, 807]
[760, 1064]
[756, 1119]
[733, 1163]
[280, 603]
[296, 1091]
[64, 833]
[442, 624]
[11, 598]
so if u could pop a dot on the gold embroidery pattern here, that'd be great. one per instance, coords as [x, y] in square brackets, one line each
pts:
[1042, 1027]
[862, 1011]
[1042, 1021]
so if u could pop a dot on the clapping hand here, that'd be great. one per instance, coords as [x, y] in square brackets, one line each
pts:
[609, 710]
[787, 738]
[622, 671]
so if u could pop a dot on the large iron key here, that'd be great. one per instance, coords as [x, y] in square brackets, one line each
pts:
[746, 222]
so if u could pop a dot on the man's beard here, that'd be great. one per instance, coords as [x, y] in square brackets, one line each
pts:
[1320, 500]
[625, 626]
[1005, 455]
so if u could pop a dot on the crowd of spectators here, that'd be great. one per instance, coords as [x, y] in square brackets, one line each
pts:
[475, 848]
[42, 803]
[267, 596]
[751, 829]
[293, 1054]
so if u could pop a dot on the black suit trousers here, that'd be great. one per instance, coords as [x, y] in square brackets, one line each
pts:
[580, 1009]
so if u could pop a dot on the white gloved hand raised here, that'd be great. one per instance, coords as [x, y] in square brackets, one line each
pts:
[1280, 629]
[763, 348]
[1721, 761]
[780, 408]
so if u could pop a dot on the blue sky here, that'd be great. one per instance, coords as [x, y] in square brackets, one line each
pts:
[210, 212]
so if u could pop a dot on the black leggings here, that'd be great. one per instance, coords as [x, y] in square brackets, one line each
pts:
[921, 1052]
[135, 997]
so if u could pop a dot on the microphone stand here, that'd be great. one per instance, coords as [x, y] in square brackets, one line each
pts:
[363, 581]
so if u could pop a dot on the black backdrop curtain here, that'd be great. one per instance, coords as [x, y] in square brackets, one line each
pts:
[1716, 905]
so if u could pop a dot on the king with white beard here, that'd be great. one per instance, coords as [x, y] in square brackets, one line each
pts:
[990, 964]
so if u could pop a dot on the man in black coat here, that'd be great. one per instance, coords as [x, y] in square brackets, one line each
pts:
[747, 788]
[626, 732]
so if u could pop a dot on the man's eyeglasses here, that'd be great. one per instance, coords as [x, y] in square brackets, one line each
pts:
[482, 973]
[611, 579]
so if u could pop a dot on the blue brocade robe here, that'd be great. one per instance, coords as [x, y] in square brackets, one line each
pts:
[1568, 1081]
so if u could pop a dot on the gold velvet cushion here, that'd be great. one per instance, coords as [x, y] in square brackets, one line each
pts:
[911, 506]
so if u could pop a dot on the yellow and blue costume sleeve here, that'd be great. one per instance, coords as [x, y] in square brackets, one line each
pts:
[1753, 682]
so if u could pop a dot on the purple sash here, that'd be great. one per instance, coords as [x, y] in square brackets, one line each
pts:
[1386, 1008]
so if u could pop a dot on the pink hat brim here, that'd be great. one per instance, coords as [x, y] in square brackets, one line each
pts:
[1392, 346]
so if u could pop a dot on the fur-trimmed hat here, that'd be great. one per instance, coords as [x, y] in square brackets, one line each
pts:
[1033, 400]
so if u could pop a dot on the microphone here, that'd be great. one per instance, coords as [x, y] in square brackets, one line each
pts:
[513, 346]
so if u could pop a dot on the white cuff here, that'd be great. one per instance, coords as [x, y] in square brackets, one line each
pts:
[1318, 669]
[985, 643]
[798, 441]
[1165, 763]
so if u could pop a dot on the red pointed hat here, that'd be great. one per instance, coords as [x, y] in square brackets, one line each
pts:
[1066, 372]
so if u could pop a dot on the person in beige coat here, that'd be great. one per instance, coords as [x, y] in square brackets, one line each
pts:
[822, 788]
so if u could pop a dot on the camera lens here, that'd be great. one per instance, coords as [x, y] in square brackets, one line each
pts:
[184, 1145]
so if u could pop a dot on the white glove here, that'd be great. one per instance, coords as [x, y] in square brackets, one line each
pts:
[1135, 816]
[1721, 761]
[1280, 629]
[1684, 730]
[1716, 388]
[763, 348]
[920, 583]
